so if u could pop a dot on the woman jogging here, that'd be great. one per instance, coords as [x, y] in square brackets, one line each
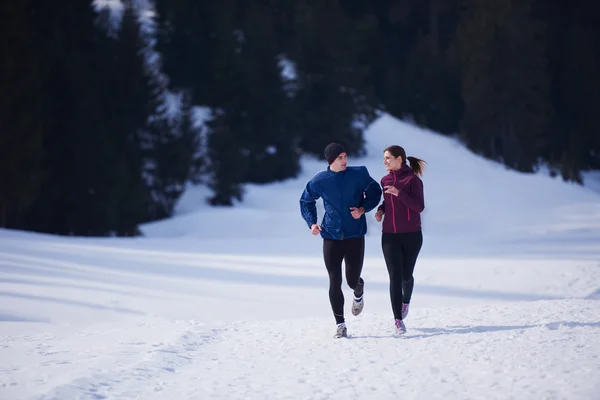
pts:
[401, 238]
[348, 193]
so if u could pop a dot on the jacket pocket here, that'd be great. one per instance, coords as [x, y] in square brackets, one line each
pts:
[331, 223]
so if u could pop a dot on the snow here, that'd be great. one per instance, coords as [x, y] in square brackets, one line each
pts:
[231, 302]
[288, 68]
[591, 179]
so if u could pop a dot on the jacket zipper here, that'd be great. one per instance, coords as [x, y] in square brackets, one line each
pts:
[393, 208]
[408, 210]
[341, 208]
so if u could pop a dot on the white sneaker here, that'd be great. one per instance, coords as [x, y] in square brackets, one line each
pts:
[357, 305]
[400, 327]
[341, 331]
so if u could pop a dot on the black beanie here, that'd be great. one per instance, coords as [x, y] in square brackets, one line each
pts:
[332, 151]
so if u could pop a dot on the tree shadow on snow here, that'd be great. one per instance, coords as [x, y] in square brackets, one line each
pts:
[595, 295]
[95, 262]
[461, 330]
[48, 299]
[18, 318]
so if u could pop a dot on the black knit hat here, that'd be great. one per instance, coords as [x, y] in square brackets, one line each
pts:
[332, 151]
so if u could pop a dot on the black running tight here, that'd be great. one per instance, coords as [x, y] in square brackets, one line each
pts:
[400, 251]
[352, 252]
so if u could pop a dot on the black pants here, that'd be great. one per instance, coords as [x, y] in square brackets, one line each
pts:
[400, 251]
[352, 252]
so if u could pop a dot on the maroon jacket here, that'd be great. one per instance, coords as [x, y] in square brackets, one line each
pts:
[402, 213]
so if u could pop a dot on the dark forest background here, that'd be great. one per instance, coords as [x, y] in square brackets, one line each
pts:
[88, 145]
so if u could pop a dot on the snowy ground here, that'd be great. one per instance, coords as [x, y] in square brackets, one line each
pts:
[232, 303]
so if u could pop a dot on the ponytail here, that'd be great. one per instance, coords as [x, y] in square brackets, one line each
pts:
[417, 165]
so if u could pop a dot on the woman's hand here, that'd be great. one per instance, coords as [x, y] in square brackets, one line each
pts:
[391, 190]
[378, 215]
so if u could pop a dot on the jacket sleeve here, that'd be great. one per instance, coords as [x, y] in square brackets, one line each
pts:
[372, 192]
[382, 205]
[414, 200]
[308, 200]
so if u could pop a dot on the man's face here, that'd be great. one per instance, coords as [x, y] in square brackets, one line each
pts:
[339, 164]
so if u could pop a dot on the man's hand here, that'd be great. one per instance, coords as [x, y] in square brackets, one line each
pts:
[378, 215]
[391, 190]
[357, 212]
[315, 229]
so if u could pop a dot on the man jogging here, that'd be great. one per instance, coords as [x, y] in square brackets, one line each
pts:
[348, 193]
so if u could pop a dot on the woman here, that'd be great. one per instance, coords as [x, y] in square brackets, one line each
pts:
[401, 238]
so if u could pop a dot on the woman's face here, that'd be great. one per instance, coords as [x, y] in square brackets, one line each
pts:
[391, 163]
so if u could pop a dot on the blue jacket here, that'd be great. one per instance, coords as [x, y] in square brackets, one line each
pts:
[353, 187]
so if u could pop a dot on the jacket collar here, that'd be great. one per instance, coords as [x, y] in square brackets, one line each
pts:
[329, 171]
[402, 171]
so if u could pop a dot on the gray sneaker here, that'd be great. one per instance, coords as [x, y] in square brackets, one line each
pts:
[341, 331]
[357, 305]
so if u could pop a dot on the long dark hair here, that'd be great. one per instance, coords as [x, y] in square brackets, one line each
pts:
[416, 164]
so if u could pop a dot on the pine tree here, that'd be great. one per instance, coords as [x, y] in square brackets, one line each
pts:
[399, 23]
[172, 159]
[77, 151]
[505, 84]
[21, 132]
[267, 135]
[227, 159]
[131, 101]
[187, 42]
[574, 51]
[333, 101]
[203, 33]
[431, 88]
[583, 93]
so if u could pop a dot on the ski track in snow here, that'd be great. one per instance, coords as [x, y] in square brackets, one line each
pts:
[154, 367]
[298, 359]
[135, 369]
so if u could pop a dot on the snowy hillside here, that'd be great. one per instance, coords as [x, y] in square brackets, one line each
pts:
[473, 206]
[221, 303]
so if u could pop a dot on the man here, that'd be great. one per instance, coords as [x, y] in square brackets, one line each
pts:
[348, 193]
